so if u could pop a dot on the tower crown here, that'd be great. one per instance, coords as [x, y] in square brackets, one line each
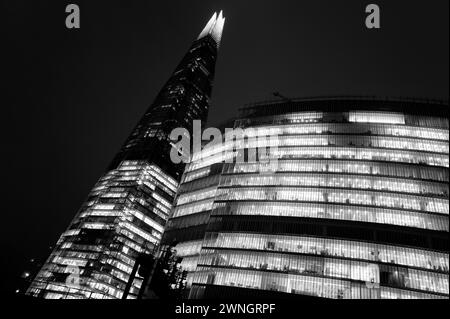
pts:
[214, 27]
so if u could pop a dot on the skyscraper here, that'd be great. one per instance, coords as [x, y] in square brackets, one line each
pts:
[356, 207]
[126, 211]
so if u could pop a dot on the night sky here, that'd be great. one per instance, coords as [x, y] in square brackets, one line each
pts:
[72, 96]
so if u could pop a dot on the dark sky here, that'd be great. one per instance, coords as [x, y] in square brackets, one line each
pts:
[72, 96]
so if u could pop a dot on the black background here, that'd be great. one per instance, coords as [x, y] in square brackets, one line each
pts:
[71, 97]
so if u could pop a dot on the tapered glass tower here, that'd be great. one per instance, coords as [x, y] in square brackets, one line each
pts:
[126, 211]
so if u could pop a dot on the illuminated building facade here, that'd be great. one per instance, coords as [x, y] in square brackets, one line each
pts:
[356, 208]
[126, 211]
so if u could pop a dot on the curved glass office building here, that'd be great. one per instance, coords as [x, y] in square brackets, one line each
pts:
[355, 207]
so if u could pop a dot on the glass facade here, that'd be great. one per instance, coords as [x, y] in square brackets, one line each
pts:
[125, 213]
[357, 206]
[123, 217]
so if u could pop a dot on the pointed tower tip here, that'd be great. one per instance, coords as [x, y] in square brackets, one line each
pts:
[214, 27]
[218, 28]
[208, 26]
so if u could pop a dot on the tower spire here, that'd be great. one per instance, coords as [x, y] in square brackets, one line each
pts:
[214, 27]
[208, 26]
